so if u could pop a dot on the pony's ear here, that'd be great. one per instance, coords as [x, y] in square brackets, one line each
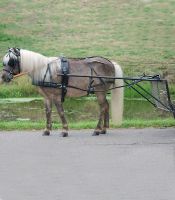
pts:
[17, 51]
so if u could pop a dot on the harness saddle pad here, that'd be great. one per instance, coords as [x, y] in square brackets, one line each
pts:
[65, 77]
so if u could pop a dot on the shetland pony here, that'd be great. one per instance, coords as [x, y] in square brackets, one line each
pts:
[18, 61]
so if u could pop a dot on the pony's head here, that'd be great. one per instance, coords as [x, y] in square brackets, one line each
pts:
[11, 64]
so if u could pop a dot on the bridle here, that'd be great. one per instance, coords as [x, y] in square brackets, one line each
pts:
[10, 74]
[13, 63]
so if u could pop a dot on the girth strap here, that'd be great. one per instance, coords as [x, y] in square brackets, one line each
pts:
[65, 77]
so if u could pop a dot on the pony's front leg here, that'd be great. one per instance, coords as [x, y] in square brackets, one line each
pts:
[48, 109]
[60, 110]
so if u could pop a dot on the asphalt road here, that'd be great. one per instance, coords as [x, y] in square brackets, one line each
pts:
[125, 164]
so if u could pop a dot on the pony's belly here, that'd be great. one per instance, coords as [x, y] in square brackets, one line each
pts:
[75, 93]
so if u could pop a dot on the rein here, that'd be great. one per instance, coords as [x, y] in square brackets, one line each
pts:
[21, 74]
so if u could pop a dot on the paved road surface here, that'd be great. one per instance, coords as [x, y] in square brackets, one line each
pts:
[125, 164]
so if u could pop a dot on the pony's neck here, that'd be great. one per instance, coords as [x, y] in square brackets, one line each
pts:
[31, 61]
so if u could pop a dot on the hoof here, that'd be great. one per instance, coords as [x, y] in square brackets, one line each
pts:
[103, 132]
[95, 133]
[64, 134]
[46, 133]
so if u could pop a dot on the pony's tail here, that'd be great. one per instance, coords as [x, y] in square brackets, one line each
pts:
[117, 97]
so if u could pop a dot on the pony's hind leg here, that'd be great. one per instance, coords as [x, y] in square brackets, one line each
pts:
[104, 114]
[60, 110]
[106, 117]
[48, 109]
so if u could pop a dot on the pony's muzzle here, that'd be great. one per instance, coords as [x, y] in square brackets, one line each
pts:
[6, 76]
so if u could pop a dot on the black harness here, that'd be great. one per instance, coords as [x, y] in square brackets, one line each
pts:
[65, 77]
[63, 85]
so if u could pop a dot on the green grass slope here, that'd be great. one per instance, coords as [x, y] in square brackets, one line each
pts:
[139, 34]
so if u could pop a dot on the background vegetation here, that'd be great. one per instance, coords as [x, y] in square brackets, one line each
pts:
[138, 34]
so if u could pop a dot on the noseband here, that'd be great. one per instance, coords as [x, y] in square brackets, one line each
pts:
[10, 74]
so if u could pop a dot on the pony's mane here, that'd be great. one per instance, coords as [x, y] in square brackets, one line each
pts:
[30, 58]
[36, 64]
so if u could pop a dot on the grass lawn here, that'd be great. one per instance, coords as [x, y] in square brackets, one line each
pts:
[138, 34]
[40, 125]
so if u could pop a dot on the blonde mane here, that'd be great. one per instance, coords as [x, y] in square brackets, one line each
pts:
[36, 65]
